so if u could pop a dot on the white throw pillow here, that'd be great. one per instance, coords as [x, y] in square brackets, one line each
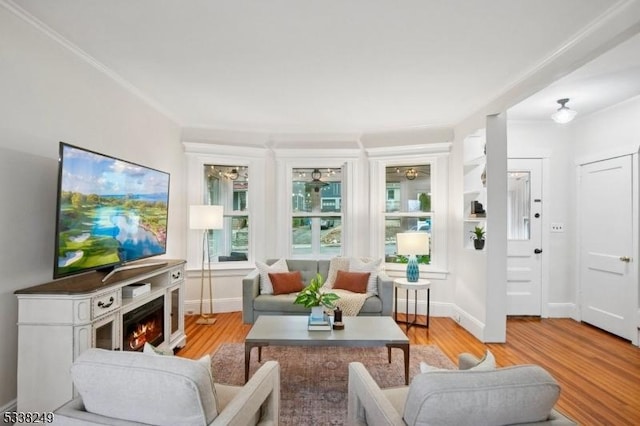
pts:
[366, 265]
[336, 264]
[149, 349]
[487, 363]
[426, 368]
[265, 282]
[205, 361]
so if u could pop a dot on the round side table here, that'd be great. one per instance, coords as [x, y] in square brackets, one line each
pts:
[415, 286]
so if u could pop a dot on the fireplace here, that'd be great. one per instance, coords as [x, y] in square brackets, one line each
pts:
[143, 324]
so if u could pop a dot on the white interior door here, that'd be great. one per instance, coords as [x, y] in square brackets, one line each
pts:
[524, 237]
[606, 237]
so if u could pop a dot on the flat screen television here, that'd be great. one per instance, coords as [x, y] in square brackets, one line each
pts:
[109, 212]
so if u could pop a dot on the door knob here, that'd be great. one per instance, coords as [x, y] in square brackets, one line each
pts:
[625, 259]
[537, 251]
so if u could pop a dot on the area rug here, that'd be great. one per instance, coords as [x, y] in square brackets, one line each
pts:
[313, 380]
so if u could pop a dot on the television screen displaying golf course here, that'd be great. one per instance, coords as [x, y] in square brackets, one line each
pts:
[110, 211]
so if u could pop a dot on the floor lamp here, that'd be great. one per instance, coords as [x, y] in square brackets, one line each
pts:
[206, 218]
[411, 244]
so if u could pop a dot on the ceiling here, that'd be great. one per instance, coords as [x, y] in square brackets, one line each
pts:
[607, 80]
[342, 66]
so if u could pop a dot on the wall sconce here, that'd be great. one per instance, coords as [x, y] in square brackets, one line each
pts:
[563, 114]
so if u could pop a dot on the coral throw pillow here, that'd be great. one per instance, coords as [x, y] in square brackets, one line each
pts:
[352, 281]
[286, 282]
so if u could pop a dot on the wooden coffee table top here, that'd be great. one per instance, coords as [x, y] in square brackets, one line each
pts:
[289, 330]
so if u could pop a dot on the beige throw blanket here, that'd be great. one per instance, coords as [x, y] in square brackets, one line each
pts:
[350, 303]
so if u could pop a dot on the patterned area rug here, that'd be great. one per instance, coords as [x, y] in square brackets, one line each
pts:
[313, 380]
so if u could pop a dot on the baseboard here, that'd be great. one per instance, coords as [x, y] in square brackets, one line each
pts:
[219, 305]
[469, 323]
[438, 309]
[563, 310]
[12, 406]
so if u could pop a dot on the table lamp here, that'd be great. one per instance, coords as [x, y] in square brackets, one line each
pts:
[206, 217]
[411, 244]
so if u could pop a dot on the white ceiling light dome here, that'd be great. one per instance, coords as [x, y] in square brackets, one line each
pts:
[564, 114]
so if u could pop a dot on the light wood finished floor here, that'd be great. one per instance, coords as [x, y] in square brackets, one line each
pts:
[599, 373]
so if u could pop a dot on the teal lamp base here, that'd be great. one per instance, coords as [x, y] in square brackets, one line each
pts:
[413, 271]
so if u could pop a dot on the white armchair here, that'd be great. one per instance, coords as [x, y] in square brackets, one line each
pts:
[519, 394]
[131, 388]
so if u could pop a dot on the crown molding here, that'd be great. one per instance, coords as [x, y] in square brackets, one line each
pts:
[200, 148]
[84, 56]
[424, 149]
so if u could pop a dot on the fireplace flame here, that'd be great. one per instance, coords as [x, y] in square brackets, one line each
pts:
[139, 335]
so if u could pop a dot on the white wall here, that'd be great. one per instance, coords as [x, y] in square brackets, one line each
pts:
[468, 267]
[608, 132]
[50, 95]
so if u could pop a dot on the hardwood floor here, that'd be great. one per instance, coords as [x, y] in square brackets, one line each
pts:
[599, 373]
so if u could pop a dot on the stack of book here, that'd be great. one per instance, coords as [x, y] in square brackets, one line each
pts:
[319, 324]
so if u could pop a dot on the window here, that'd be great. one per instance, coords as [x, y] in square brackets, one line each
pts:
[408, 207]
[228, 186]
[316, 212]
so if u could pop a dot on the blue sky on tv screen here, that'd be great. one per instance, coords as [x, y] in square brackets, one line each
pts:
[90, 173]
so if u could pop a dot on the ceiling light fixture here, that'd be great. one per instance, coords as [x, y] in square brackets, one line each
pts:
[411, 173]
[316, 183]
[563, 114]
[233, 174]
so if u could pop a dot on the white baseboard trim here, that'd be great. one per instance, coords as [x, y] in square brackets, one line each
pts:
[563, 310]
[233, 304]
[469, 323]
[438, 309]
[9, 407]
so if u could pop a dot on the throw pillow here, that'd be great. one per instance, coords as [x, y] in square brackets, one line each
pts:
[205, 361]
[352, 281]
[361, 265]
[149, 349]
[336, 264]
[488, 362]
[286, 282]
[265, 283]
[426, 368]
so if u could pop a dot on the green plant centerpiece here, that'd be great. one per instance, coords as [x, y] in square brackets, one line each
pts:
[478, 237]
[312, 295]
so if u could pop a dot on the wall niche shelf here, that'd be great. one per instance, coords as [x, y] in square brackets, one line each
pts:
[474, 166]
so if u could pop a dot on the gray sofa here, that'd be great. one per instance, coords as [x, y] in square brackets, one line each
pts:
[255, 304]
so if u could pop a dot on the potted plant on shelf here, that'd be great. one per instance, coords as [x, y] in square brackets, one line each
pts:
[478, 237]
[313, 297]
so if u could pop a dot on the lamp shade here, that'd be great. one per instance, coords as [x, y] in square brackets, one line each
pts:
[412, 243]
[205, 217]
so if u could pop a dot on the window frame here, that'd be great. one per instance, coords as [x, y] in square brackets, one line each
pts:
[200, 155]
[437, 156]
[286, 162]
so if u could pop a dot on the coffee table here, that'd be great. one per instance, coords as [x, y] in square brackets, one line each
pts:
[289, 330]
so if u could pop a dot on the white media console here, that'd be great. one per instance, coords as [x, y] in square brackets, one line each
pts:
[58, 320]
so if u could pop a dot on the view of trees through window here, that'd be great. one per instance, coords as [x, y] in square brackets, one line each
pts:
[316, 211]
[228, 186]
[408, 207]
